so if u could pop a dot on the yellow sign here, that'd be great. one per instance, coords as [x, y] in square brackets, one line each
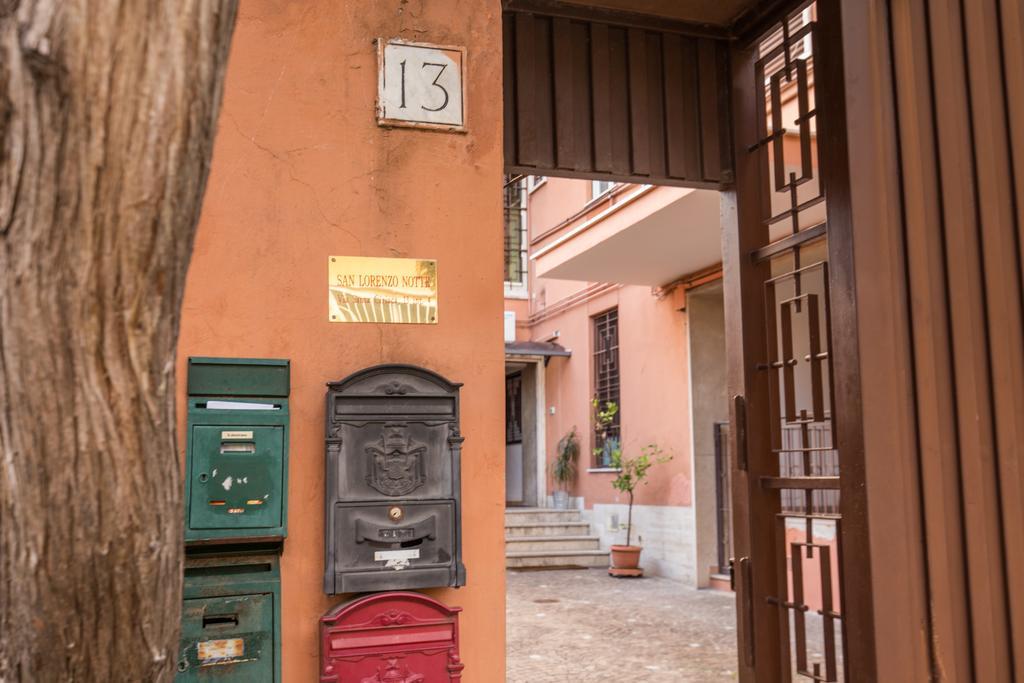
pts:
[364, 289]
[216, 651]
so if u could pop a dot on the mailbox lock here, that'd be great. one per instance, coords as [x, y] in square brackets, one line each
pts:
[204, 477]
[395, 513]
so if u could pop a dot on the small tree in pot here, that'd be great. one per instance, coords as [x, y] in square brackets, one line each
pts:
[563, 469]
[631, 473]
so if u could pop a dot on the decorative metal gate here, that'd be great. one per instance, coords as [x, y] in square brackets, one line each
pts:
[787, 467]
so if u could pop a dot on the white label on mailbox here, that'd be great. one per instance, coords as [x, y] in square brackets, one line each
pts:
[214, 650]
[420, 85]
[238, 405]
[236, 435]
[381, 555]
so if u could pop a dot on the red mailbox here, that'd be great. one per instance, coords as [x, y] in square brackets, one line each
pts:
[390, 638]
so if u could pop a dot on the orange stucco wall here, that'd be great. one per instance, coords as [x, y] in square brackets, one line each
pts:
[301, 171]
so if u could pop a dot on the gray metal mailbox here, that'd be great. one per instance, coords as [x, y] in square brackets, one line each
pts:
[393, 500]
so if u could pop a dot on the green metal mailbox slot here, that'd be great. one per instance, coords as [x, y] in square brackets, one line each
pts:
[236, 481]
[231, 620]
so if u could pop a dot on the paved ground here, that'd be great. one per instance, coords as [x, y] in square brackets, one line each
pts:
[582, 626]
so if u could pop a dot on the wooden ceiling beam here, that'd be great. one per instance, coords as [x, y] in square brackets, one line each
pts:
[566, 10]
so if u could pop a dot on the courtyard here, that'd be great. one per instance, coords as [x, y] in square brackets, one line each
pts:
[583, 626]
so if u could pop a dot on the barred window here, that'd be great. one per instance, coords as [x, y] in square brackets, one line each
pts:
[606, 383]
[600, 187]
[515, 230]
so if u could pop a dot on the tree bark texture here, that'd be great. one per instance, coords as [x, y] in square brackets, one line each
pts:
[107, 116]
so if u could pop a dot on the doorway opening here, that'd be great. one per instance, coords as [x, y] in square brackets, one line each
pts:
[656, 347]
[514, 464]
[524, 431]
[636, 319]
[633, 126]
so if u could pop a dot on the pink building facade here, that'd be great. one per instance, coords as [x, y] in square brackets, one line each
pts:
[613, 292]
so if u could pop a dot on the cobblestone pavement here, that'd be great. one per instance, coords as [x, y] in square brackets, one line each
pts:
[583, 626]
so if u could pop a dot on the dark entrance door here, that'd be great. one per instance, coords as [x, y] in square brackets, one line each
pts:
[514, 467]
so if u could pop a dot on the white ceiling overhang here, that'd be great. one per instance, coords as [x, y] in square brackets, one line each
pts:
[663, 234]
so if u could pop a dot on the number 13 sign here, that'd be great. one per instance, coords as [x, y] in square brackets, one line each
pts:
[420, 85]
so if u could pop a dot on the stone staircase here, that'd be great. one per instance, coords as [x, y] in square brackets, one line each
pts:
[543, 537]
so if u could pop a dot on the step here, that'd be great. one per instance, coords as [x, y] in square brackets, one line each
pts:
[720, 582]
[519, 516]
[547, 529]
[546, 543]
[557, 558]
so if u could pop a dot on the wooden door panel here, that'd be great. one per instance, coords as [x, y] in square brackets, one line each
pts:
[786, 478]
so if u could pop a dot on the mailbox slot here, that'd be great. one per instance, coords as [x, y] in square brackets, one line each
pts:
[383, 406]
[392, 482]
[417, 549]
[418, 636]
[213, 620]
[227, 448]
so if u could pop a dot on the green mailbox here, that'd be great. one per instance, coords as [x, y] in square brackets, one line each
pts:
[231, 620]
[236, 480]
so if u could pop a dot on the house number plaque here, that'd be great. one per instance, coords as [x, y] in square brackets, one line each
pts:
[420, 85]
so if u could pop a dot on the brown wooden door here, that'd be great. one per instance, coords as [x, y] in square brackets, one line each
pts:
[515, 479]
[786, 467]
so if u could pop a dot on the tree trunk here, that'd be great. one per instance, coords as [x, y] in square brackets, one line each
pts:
[107, 116]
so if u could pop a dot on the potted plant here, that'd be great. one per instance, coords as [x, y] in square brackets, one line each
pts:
[631, 473]
[563, 469]
[604, 418]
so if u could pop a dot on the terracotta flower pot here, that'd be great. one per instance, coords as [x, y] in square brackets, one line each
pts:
[626, 561]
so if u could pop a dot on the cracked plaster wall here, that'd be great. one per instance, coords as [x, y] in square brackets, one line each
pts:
[301, 171]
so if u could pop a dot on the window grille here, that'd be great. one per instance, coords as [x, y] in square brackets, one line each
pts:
[805, 471]
[800, 49]
[606, 383]
[515, 230]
